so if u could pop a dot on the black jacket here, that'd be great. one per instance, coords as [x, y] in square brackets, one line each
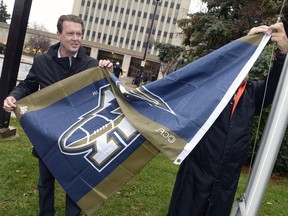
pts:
[117, 70]
[207, 179]
[47, 69]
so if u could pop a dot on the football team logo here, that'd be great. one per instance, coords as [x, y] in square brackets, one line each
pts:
[102, 133]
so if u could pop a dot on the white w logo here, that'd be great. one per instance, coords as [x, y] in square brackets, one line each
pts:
[101, 134]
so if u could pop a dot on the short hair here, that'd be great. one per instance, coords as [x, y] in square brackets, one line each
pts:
[71, 18]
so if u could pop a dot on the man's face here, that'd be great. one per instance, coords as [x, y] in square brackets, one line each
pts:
[70, 38]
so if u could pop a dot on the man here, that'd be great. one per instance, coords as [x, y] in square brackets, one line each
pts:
[207, 179]
[62, 60]
[117, 70]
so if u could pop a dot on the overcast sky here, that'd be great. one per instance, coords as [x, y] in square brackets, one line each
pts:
[47, 12]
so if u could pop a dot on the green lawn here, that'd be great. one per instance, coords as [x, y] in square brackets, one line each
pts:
[148, 194]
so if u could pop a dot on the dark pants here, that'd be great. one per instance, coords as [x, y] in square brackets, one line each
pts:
[46, 194]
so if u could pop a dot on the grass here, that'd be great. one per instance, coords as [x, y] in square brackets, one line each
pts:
[148, 194]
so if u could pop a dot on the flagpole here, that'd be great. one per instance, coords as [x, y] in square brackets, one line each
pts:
[268, 150]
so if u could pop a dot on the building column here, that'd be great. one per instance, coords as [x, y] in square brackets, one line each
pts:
[126, 64]
[94, 52]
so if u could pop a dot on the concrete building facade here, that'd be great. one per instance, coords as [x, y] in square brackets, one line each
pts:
[129, 27]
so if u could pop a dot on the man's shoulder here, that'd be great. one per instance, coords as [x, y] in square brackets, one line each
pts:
[42, 57]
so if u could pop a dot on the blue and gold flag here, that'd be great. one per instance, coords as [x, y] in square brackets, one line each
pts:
[94, 136]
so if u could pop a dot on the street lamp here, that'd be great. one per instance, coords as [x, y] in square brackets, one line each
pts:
[147, 44]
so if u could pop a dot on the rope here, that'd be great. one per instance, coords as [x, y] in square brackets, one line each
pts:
[261, 112]
[264, 96]
[281, 11]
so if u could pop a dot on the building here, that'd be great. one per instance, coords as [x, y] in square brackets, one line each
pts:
[126, 28]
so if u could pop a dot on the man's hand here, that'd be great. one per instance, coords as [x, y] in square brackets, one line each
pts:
[106, 64]
[260, 29]
[279, 37]
[9, 104]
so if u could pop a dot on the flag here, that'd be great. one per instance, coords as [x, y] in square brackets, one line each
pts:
[94, 136]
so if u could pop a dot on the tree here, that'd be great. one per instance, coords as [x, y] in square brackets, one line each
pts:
[169, 55]
[37, 43]
[4, 15]
[223, 22]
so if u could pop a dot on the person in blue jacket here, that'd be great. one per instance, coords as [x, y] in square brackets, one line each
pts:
[207, 179]
[63, 59]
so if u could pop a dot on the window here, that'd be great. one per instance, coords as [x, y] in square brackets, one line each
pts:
[110, 39]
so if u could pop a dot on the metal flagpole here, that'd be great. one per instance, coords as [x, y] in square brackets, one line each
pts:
[268, 150]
